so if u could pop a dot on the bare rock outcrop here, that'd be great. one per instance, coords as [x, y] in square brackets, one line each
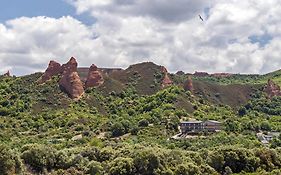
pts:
[70, 66]
[188, 85]
[94, 78]
[166, 80]
[70, 81]
[272, 89]
[54, 68]
[7, 74]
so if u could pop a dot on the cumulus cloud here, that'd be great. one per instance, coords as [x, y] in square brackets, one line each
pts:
[27, 44]
[236, 36]
[170, 33]
[165, 10]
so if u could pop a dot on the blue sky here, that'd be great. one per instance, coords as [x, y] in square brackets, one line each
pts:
[10, 9]
[235, 36]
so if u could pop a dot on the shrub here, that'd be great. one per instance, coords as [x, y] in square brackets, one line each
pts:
[39, 157]
[146, 162]
[122, 166]
[187, 169]
[106, 153]
[94, 168]
[62, 160]
[143, 123]
[9, 164]
[117, 129]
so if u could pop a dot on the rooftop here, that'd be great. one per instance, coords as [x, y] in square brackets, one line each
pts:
[187, 122]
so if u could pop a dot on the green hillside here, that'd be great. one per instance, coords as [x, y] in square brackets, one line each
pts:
[125, 126]
[238, 78]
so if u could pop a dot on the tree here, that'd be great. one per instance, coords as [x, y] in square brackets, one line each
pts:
[9, 164]
[146, 162]
[143, 123]
[105, 154]
[39, 157]
[216, 160]
[187, 169]
[94, 168]
[117, 129]
[61, 160]
[122, 166]
[265, 125]
[232, 126]
[242, 111]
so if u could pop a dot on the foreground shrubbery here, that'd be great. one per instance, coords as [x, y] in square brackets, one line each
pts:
[128, 160]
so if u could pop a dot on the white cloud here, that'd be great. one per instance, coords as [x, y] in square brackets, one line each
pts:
[166, 32]
[27, 44]
[170, 33]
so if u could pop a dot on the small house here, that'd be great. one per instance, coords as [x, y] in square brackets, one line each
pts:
[200, 126]
[212, 125]
[191, 126]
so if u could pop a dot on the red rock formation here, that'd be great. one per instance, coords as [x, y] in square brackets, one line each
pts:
[70, 81]
[94, 78]
[272, 89]
[53, 69]
[7, 74]
[71, 65]
[201, 74]
[166, 80]
[188, 85]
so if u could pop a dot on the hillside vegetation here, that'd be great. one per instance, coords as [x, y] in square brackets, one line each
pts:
[124, 126]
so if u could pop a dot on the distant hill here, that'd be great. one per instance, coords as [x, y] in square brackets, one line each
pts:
[147, 77]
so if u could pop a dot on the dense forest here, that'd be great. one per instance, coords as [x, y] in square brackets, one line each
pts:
[122, 131]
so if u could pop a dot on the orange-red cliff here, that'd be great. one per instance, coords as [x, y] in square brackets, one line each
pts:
[70, 81]
[188, 85]
[166, 80]
[54, 68]
[94, 77]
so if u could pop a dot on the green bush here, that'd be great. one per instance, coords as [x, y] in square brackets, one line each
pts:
[39, 157]
[187, 169]
[117, 129]
[146, 162]
[122, 166]
[143, 123]
[95, 168]
[9, 162]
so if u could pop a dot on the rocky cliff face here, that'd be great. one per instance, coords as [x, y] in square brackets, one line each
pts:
[70, 81]
[188, 85]
[272, 89]
[94, 78]
[166, 80]
[53, 69]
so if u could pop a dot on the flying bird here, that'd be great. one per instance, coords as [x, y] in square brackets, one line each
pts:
[201, 17]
